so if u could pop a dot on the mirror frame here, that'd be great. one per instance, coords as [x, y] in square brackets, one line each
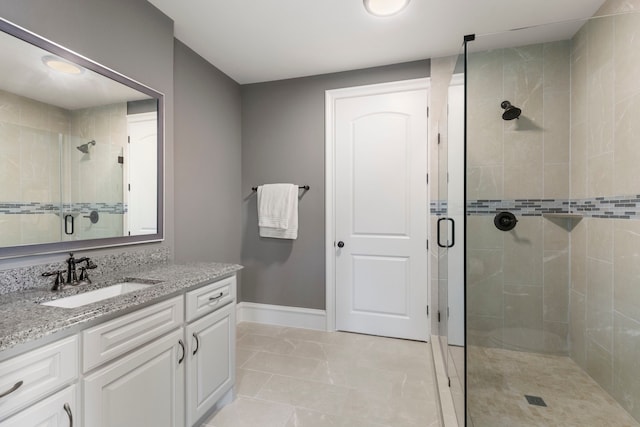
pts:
[56, 247]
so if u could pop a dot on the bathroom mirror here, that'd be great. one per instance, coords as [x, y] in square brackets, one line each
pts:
[81, 151]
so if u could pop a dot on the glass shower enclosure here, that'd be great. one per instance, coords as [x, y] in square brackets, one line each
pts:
[552, 210]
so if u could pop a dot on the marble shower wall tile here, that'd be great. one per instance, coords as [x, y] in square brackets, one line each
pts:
[626, 346]
[626, 258]
[511, 273]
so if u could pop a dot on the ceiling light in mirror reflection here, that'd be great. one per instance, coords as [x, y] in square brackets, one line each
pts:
[61, 66]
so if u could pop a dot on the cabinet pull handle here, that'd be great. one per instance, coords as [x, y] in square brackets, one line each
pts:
[197, 343]
[181, 345]
[67, 409]
[12, 389]
[217, 297]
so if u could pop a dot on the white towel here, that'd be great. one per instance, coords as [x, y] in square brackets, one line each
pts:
[278, 211]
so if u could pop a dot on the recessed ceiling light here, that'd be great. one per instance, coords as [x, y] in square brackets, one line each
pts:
[61, 65]
[385, 7]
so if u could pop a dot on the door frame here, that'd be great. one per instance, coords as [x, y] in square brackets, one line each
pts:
[331, 96]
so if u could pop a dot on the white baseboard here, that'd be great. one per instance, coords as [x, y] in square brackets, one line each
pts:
[296, 317]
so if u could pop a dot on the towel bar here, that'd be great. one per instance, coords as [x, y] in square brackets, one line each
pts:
[302, 187]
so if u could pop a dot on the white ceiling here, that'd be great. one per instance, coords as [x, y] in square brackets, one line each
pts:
[263, 40]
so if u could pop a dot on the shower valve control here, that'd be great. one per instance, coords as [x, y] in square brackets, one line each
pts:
[505, 221]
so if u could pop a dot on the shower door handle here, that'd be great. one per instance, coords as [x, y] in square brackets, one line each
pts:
[67, 223]
[453, 233]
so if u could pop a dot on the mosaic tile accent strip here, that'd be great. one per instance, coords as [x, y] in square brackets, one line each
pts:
[37, 208]
[613, 207]
[524, 207]
[616, 207]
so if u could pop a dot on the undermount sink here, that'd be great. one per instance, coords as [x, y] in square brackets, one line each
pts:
[90, 297]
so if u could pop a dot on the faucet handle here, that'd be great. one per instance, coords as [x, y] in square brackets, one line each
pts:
[84, 276]
[58, 283]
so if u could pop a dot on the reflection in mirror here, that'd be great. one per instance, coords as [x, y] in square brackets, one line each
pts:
[80, 150]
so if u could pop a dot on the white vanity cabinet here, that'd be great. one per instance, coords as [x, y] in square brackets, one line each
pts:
[168, 364]
[144, 388]
[27, 379]
[211, 338]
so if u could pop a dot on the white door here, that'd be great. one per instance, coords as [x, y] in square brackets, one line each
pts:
[144, 388]
[381, 212]
[142, 200]
[210, 361]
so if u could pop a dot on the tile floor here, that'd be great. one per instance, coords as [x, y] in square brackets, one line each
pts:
[288, 377]
[499, 379]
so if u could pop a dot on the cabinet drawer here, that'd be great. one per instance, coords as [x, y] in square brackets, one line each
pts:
[210, 297]
[41, 371]
[50, 412]
[115, 337]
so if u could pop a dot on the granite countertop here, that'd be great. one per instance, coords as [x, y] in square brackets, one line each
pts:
[25, 320]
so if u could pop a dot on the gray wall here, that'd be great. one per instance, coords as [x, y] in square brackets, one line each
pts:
[207, 161]
[283, 141]
[129, 36]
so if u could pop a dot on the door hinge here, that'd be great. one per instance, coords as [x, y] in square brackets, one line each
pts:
[438, 138]
[427, 178]
[427, 244]
[129, 139]
[427, 310]
[449, 381]
[129, 187]
[427, 111]
[438, 316]
[448, 313]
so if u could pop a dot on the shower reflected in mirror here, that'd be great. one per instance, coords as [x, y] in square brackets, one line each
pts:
[85, 147]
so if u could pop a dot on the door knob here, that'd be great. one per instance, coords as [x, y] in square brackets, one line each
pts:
[341, 244]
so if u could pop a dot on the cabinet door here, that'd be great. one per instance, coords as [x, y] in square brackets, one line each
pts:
[59, 410]
[144, 388]
[210, 361]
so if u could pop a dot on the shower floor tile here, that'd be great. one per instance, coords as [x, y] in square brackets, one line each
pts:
[499, 380]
